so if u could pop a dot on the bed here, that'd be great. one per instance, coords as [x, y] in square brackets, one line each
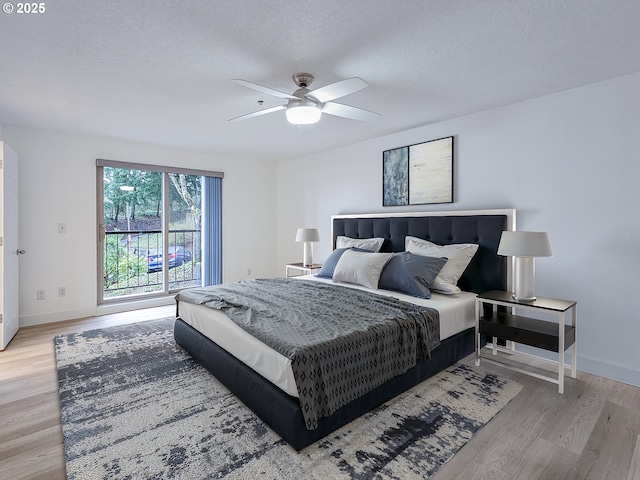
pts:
[272, 396]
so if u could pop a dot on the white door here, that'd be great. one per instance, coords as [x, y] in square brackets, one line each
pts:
[10, 250]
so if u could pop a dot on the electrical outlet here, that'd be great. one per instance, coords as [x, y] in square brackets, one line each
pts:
[248, 271]
[62, 291]
[40, 295]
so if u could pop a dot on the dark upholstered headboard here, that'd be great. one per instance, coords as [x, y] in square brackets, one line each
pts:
[487, 270]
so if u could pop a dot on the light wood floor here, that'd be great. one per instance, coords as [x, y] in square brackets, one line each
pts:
[590, 432]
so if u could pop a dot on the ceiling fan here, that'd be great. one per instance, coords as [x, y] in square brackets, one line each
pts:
[307, 106]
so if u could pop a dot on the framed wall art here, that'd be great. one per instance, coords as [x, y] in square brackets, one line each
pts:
[418, 174]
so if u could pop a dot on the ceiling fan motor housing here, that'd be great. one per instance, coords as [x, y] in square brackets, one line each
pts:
[303, 102]
[300, 93]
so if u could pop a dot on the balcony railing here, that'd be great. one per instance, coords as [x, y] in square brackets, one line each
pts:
[131, 260]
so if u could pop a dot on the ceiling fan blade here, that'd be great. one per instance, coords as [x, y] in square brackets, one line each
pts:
[263, 89]
[346, 111]
[258, 113]
[337, 90]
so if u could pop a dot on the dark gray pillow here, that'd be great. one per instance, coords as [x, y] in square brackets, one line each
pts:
[411, 274]
[329, 266]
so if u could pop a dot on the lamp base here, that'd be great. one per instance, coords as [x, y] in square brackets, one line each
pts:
[308, 254]
[524, 279]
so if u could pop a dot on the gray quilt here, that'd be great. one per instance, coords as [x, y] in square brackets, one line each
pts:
[342, 342]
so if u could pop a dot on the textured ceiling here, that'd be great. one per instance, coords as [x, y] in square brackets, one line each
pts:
[160, 71]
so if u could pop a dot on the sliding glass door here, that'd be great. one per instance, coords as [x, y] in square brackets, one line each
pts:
[151, 226]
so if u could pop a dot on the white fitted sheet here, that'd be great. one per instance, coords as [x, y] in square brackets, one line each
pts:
[457, 313]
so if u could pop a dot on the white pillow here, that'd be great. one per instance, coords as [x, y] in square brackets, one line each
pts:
[458, 257]
[361, 268]
[371, 244]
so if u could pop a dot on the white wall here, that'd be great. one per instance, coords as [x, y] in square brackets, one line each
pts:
[569, 163]
[58, 185]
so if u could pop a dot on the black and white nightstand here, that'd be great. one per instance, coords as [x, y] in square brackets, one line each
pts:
[297, 269]
[514, 325]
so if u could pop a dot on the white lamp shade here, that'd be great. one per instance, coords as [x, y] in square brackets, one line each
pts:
[307, 235]
[525, 244]
[303, 114]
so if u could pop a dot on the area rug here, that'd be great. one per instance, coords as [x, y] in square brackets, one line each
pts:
[136, 406]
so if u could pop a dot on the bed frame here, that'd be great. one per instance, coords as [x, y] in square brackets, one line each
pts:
[487, 271]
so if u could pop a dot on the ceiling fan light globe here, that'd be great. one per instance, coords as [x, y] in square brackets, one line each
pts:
[303, 114]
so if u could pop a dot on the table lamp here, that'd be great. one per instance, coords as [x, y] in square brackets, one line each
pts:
[308, 235]
[524, 246]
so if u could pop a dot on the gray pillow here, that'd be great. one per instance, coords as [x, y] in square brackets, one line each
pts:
[369, 244]
[329, 266]
[411, 274]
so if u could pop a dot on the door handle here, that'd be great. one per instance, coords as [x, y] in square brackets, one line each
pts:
[20, 252]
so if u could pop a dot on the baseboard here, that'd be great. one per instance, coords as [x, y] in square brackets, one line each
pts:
[52, 317]
[595, 366]
[612, 370]
[106, 309]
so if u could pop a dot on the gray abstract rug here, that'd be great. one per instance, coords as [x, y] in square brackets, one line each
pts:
[135, 406]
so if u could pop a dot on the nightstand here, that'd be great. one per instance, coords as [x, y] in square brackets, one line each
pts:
[514, 325]
[297, 269]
